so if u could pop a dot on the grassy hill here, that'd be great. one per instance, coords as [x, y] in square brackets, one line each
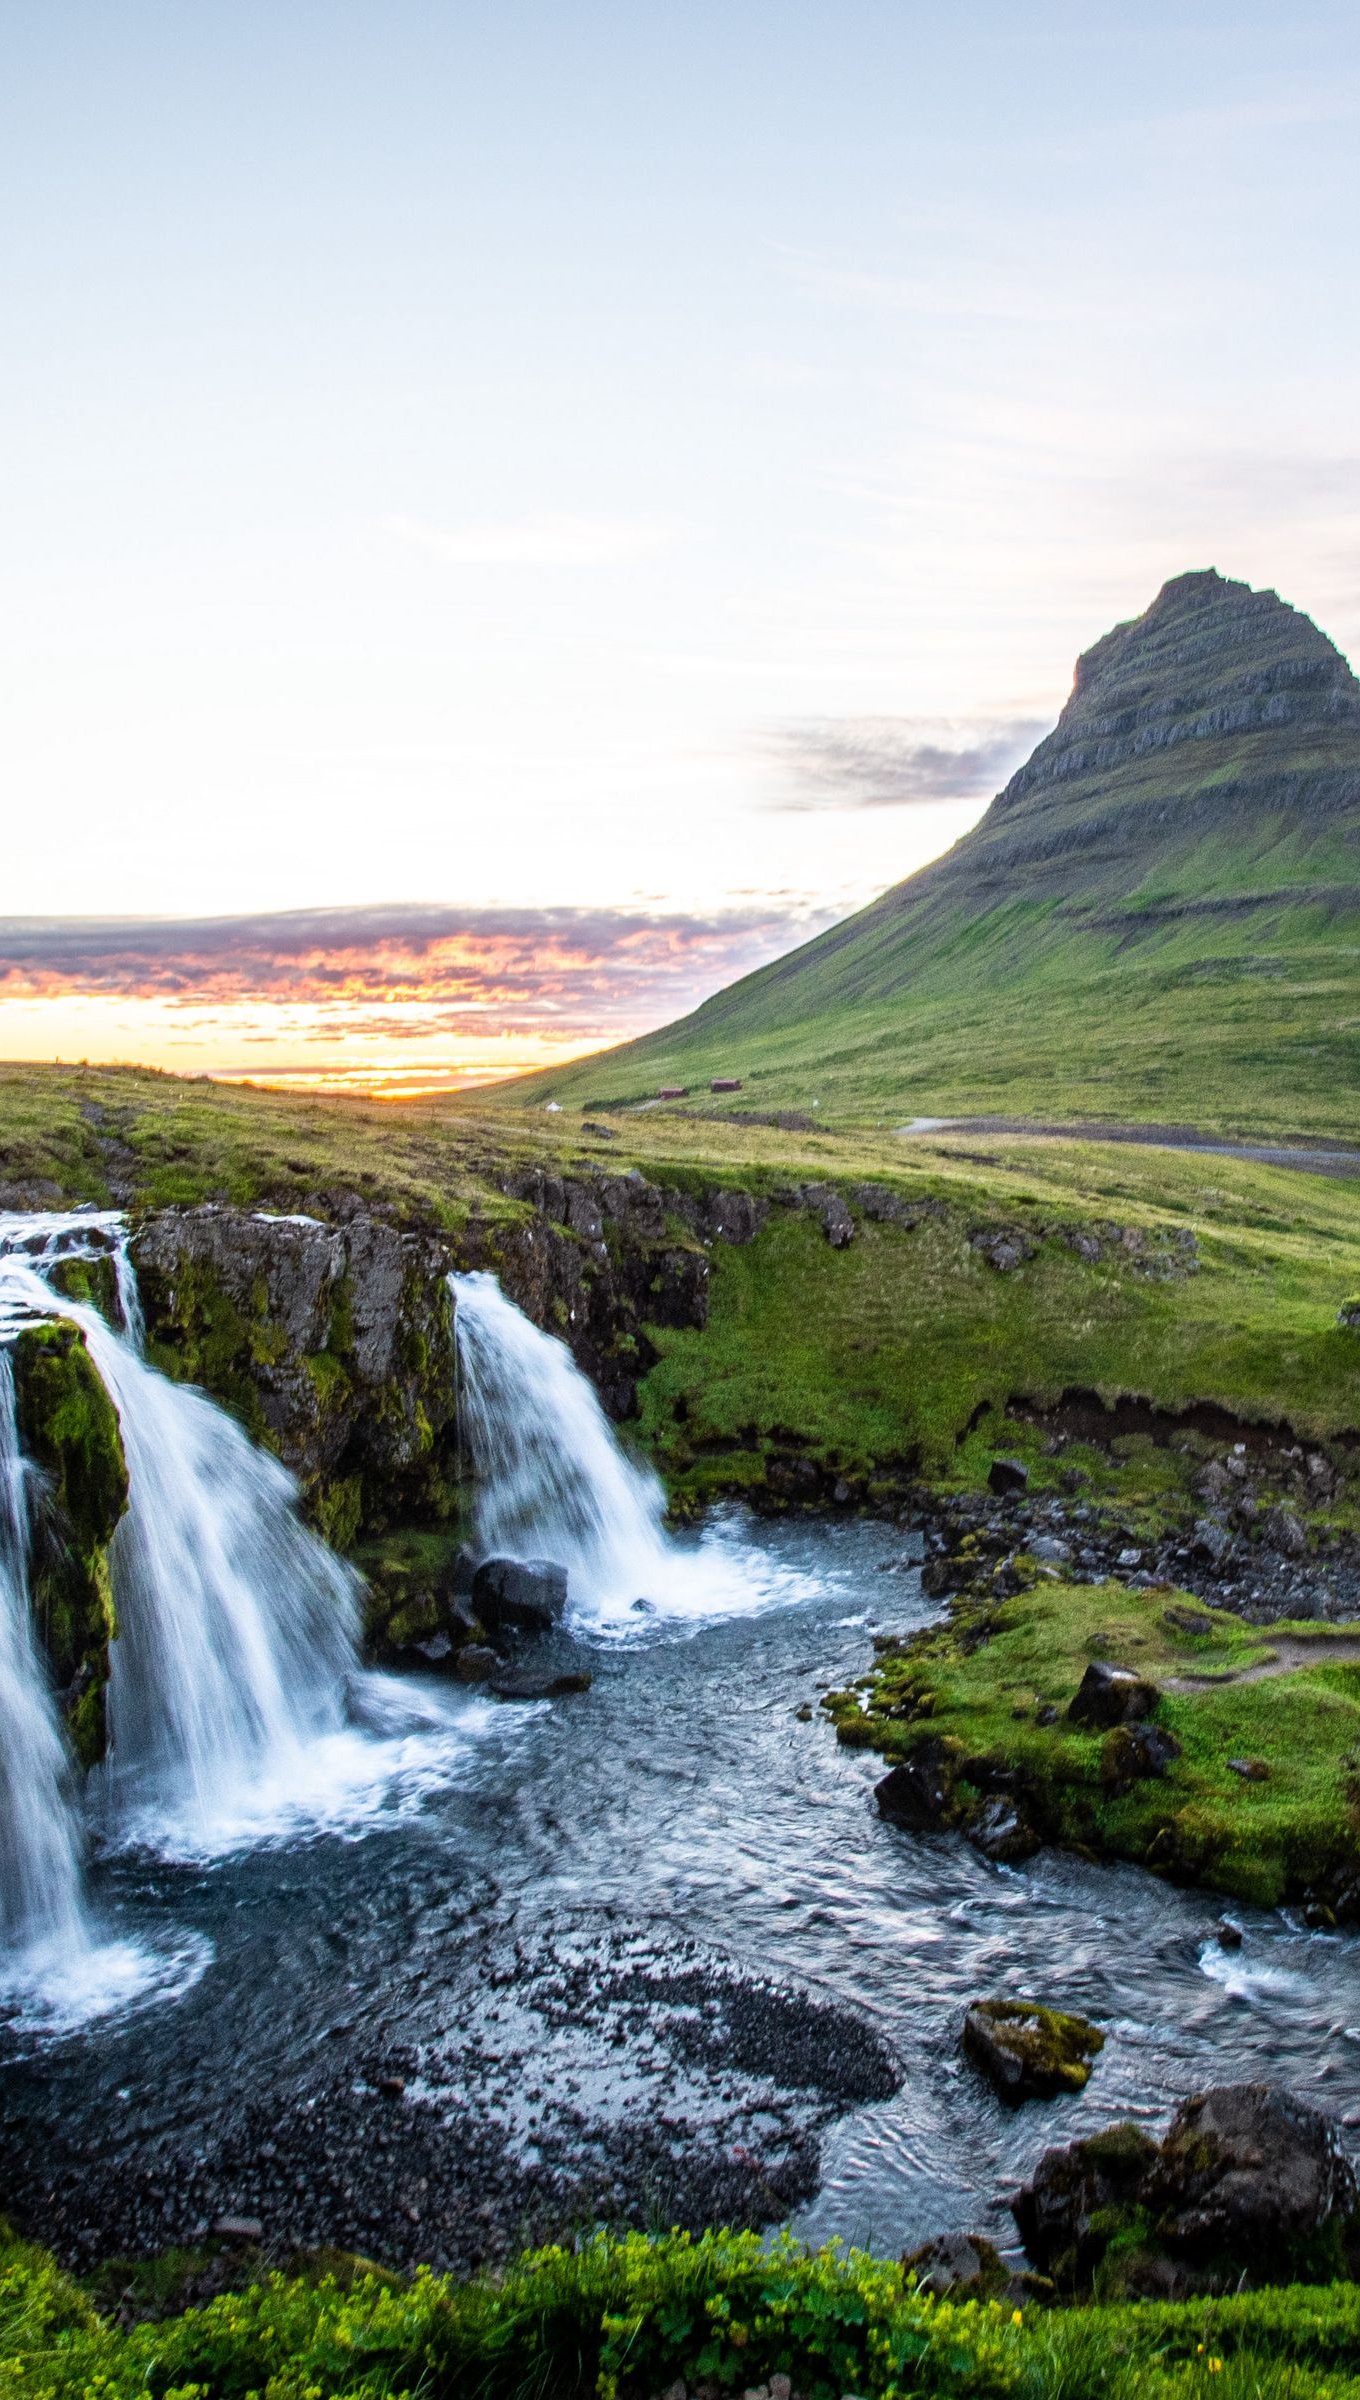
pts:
[1158, 918]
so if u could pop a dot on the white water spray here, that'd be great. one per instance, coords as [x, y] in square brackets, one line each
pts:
[40, 1863]
[552, 1482]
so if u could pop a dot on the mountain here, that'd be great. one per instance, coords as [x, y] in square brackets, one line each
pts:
[1159, 917]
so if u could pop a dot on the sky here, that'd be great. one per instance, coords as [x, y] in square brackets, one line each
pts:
[513, 515]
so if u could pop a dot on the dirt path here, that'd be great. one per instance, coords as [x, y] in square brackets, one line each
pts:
[1319, 1158]
[1286, 1655]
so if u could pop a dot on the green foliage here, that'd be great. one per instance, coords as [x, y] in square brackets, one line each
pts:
[623, 2319]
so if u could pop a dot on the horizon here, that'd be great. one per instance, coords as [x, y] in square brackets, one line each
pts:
[633, 491]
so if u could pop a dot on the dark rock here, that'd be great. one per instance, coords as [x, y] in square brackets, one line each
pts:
[1008, 1475]
[1067, 2215]
[78, 1489]
[1252, 2175]
[1348, 1316]
[519, 1595]
[938, 1576]
[837, 1223]
[1109, 1695]
[1002, 1834]
[958, 2266]
[238, 2229]
[1028, 2052]
[476, 1662]
[524, 1684]
[1005, 1249]
[1251, 1770]
[1189, 1620]
[733, 1217]
[1228, 1934]
[1249, 2184]
[919, 1793]
[1134, 1753]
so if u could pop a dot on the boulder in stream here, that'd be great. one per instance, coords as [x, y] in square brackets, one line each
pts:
[519, 1595]
[1028, 2052]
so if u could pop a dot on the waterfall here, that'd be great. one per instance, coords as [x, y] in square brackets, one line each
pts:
[41, 1859]
[552, 1482]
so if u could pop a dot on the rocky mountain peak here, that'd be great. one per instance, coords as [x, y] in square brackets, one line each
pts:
[1210, 660]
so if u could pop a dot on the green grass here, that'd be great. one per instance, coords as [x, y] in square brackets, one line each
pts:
[982, 1680]
[623, 2320]
[872, 1361]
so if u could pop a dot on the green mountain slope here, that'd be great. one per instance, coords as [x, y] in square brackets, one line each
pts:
[1158, 918]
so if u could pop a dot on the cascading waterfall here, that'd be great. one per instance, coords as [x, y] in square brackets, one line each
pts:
[552, 1482]
[41, 1860]
[236, 1707]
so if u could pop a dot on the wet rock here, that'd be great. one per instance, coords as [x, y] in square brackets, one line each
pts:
[918, 1794]
[1228, 1934]
[523, 1683]
[78, 1491]
[476, 1662]
[1007, 1475]
[1109, 1695]
[519, 1595]
[958, 2266]
[1002, 1833]
[1028, 2052]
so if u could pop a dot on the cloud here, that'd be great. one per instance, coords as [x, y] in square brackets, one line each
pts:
[547, 541]
[896, 762]
[418, 970]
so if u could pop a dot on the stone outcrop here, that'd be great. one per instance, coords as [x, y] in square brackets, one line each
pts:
[333, 1341]
[69, 1432]
[1249, 2184]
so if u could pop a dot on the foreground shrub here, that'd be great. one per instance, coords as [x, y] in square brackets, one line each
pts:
[626, 2319]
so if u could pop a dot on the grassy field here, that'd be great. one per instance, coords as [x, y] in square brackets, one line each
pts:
[888, 1354]
[983, 1683]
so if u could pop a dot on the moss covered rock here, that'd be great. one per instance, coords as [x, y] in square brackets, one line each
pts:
[1028, 2052]
[68, 1427]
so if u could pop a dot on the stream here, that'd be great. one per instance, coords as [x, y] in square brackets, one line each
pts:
[643, 1954]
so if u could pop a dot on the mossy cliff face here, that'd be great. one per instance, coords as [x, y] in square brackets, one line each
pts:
[330, 1343]
[333, 1343]
[69, 1431]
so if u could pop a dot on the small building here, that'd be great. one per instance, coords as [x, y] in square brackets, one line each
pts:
[725, 1083]
[673, 1091]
